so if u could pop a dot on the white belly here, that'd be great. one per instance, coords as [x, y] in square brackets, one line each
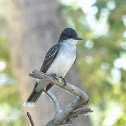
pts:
[64, 60]
[61, 64]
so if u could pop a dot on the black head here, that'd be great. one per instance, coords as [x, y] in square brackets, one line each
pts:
[69, 33]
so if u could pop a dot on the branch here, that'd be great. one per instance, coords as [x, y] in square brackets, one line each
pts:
[70, 112]
[30, 119]
[75, 114]
[69, 87]
[55, 101]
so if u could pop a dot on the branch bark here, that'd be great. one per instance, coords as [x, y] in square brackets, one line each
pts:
[66, 115]
[55, 101]
[75, 114]
[30, 119]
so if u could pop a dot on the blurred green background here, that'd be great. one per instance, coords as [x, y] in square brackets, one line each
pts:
[101, 61]
[10, 109]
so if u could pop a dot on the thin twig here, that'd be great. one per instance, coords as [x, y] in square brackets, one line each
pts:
[75, 114]
[30, 119]
[55, 101]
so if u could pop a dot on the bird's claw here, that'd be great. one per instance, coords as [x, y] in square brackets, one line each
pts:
[54, 76]
[64, 81]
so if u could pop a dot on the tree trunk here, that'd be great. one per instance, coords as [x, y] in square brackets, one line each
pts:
[33, 26]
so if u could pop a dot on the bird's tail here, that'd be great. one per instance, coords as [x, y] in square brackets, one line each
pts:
[33, 98]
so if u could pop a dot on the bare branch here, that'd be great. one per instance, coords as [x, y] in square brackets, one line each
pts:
[59, 118]
[75, 114]
[55, 101]
[81, 111]
[69, 87]
[70, 112]
[30, 119]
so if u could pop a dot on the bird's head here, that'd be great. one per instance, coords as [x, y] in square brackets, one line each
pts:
[70, 36]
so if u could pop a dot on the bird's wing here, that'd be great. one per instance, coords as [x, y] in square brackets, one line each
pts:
[49, 58]
[76, 57]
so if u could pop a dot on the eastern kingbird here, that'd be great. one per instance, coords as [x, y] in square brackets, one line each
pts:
[58, 61]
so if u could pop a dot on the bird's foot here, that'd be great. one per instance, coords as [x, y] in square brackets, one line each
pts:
[54, 76]
[57, 78]
[64, 81]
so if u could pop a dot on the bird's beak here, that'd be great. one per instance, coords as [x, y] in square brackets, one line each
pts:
[78, 38]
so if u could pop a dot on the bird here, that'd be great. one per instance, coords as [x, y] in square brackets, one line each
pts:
[58, 60]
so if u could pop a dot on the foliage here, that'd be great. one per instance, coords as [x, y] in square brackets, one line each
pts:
[104, 82]
[10, 109]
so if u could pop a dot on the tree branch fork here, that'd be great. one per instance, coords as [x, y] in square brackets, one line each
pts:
[71, 111]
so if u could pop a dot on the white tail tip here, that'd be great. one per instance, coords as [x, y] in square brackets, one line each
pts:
[29, 104]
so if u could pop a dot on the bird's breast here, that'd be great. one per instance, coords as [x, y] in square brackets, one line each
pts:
[63, 61]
